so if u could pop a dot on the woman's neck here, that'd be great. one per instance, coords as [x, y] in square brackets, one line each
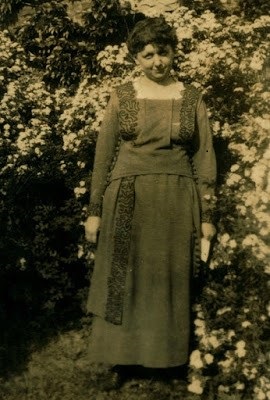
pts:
[145, 88]
[151, 83]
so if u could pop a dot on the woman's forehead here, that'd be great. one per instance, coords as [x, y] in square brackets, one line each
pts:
[155, 47]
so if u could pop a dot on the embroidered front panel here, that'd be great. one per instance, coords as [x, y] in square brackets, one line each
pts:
[128, 111]
[122, 236]
[196, 253]
[188, 114]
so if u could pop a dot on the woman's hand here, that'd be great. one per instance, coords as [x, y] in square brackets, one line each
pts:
[208, 230]
[92, 226]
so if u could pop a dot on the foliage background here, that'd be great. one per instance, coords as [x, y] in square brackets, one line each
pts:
[58, 64]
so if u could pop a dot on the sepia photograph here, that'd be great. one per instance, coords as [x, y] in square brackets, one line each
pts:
[135, 200]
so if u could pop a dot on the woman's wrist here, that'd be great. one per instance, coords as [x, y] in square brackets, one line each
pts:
[208, 230]
[94, 209]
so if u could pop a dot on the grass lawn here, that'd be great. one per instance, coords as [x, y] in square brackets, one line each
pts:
[61, 371]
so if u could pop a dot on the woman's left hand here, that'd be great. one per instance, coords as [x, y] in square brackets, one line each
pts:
[208, 230]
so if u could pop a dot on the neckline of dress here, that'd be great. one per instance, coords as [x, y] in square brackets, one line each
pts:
[177, 86]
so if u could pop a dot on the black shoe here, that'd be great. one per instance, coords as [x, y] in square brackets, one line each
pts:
[177, 373]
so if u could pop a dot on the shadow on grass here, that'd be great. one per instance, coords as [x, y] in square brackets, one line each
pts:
[25, 327]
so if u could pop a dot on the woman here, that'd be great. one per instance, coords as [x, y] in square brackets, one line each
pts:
[154, 169]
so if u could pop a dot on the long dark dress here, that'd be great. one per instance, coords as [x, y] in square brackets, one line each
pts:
[154, 165]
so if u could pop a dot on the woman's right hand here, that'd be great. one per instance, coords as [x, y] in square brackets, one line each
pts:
[92, 226]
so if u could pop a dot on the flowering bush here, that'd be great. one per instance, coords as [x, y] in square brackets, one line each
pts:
[40, 216]
[50, 115]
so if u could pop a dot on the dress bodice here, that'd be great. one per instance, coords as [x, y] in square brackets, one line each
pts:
[141, 116]
[142, 136]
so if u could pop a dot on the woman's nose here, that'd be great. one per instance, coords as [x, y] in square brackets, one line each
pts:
[157, 60]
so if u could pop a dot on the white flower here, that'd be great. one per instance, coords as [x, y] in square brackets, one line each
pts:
[258, 174]
[250, 240]
[226, 363]
[256, 62]
[240, 385]
[241, 344]
[240, 349]
[267, 269]
[47, 111]
[231, 334]
[245, 324]
[261, 395]
[263, 122]
[264, 231]
[247, 172]
[184, 32]
[233, 179]
[214, 341]
[213, 264]
[22, 168]
[195, 359]
[199, 322]
[232, 244]
[207, 197]
[254, 371]
[235, 167]
[80, 251]
[226, 130]
[209, 358]
[223, 388]
[37, 151]
[81, 164]
[195, 386]
[224, 310]
[250, 373]
[79, 191]
[242, 209]
[216, 127]
[224, 238]
[238, 89]
[63, 168]
[22, 262]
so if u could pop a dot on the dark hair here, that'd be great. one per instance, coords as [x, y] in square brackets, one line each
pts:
[151, 31]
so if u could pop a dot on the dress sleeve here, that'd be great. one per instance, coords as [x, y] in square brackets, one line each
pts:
[104, 155]
[204, 162]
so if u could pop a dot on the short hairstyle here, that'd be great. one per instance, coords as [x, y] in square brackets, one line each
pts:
[151, 31]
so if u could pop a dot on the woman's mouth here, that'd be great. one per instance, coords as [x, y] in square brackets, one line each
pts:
[159, 71]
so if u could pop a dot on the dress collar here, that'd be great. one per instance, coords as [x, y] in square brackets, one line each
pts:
[158, 92]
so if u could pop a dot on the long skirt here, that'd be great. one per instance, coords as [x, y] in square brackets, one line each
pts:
[155, 327]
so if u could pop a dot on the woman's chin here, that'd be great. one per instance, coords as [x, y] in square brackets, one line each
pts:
[158, 77]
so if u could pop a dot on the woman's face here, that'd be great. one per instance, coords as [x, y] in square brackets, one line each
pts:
[156, 61]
